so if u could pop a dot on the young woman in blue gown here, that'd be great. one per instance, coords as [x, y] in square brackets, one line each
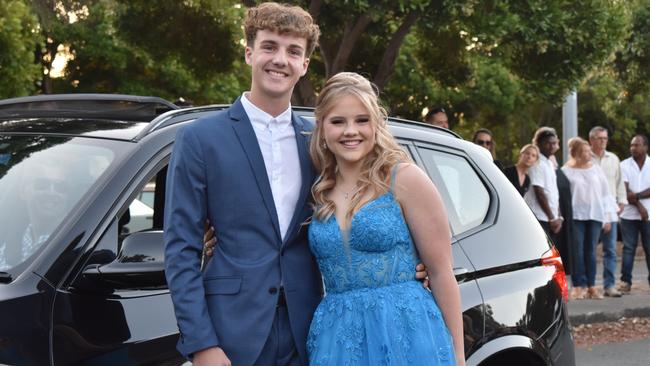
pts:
[376, 214]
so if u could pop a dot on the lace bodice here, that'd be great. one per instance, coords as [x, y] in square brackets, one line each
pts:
[376, 251]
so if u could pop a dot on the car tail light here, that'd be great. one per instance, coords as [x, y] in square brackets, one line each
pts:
[552, 258]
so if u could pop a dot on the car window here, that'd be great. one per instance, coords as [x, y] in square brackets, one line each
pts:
[144, 212]
[466, 197]
[42, 179]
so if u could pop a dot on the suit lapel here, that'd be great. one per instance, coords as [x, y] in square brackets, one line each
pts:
[306, 172]
[246, 135]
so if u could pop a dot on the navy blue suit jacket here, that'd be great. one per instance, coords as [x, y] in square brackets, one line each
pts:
[217, 172]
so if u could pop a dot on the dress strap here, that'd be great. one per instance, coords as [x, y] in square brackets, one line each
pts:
[393, 174]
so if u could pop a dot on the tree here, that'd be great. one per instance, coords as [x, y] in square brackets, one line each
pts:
[550, 45]
[19, 38]
[633, 59]
[139, 47]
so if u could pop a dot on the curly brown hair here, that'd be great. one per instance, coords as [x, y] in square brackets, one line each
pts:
[284, 19]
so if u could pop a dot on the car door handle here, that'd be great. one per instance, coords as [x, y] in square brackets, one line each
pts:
[461, 274]
[459, 271]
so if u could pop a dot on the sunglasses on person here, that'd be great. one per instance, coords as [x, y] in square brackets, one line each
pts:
[484, 142]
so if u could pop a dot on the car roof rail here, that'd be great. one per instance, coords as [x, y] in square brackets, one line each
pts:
[306, 112]
[102, 106]
[177, 116]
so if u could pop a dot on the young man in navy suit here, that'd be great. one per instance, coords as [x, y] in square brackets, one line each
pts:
[247, 170]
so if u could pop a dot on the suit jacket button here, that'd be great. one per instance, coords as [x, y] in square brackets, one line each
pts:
[273, 290]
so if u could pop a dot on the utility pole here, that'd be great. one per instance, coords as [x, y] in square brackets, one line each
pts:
[569, 122]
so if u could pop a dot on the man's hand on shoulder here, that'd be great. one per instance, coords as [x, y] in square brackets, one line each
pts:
[209, 239]
[422, 275]
[213, 356]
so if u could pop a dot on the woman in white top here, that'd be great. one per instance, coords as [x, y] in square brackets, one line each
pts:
[593, 209]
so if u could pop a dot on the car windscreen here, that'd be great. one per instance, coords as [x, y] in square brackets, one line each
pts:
[42, 179]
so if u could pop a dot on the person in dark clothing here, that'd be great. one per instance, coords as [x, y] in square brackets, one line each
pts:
[518, 173]
[564, 239]
[483, 137]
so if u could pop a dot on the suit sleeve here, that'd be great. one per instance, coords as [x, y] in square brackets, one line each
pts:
[185, 213]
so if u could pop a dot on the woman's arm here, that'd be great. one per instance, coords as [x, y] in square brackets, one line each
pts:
[427, 220]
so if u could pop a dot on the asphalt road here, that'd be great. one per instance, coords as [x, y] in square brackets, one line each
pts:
[636, 353]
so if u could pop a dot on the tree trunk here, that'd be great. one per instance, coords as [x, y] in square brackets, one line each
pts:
[314, 8]
[387, 64]
[350, 37]
[304, 94]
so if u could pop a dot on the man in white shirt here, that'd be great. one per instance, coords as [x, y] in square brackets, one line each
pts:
[610, 164]
[634, 218]
[544, 198]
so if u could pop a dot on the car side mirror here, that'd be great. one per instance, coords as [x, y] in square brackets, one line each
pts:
[140, 264]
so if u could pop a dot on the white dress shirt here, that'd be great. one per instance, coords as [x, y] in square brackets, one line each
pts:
[637, 180]
[277, 140]
[611, 166]
[542, 174]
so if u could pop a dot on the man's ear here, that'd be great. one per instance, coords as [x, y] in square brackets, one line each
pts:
[305, 66]
[248, 52]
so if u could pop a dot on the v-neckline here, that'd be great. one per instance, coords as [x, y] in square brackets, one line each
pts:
[354, 215]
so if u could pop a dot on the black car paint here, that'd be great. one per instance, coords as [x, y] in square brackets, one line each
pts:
[59, 315]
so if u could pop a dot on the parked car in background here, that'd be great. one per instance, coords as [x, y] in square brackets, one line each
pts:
[82, 182]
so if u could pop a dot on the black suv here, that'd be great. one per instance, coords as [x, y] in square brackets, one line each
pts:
[81, 257]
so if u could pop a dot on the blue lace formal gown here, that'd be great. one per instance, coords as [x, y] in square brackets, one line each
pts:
[375, 312]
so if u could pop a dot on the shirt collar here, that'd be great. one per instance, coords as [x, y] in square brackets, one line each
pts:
[606, 154]
[262, 119]
[544, 159]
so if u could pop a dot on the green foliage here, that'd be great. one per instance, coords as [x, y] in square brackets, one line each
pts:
[501, 64]
[633, 59]
[19, 38]
[562, 42]
[205, 40]
[136, 48]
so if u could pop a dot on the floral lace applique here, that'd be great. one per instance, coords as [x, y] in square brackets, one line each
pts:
[374, 313]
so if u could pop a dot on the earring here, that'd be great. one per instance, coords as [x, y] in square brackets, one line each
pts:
[324, 145]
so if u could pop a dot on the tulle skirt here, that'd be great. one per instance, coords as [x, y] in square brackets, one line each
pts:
[399, 324]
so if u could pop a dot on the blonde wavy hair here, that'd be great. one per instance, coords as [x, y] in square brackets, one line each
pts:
[529, 147]
[376, 166]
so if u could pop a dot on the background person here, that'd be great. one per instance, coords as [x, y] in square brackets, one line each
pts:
[593, 210]
[44, 195]
[437, 117]
[564, 238]
[634, 217]
[518, 173]
[543, 198]
[483, 137]
[611, 166]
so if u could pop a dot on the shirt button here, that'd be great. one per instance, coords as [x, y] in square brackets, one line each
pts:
[273, 290]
